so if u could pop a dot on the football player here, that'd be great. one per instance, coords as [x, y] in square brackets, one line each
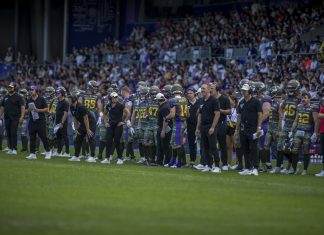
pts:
[127, 138]
[50, 118]
[138, 120]
[272, 128]
[92, 101]
[101, 125]
[305, 130]
[266, 108]
[287, 115]
[179, 113]
[151, 129]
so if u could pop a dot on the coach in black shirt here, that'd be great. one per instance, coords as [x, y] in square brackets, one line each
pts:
[13, 108]
[192, 123]
[225, 109]
[85, 124]
[116, 115]
[163, 135]
[37, 123]
[248, 125]
[206, 127]
[62, 109]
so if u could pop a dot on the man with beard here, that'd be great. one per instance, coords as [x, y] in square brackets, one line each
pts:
[13, 108]
[37, 107]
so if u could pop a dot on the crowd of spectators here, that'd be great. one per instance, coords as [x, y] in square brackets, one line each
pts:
[276, 53]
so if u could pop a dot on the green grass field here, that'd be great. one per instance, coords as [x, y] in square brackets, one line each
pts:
[61, 197]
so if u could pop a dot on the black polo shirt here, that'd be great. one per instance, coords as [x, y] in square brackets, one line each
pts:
[61, 107]
[115, 113]
[249, 115]
[207, 110]
[224, 103]
[12, 106]
[40, 103]
[164, 110]
[79, 111]
[193, 109]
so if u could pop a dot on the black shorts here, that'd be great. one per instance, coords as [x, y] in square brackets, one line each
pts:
[230, 131]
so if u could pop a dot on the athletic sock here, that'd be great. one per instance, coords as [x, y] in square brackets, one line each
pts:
[24, 142]
[130, 150]
[102, 145]
[294, 158]
[306, 161]
[141, 151]
[279, 158]
[239, 156]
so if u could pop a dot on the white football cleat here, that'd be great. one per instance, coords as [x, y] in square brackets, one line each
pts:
[91, 159]
[217, 170]
[255, 172]
[54, 153]
[245, 172]
[206, 169]
[199, 167]
[292, 171]
[9, 151]
[142, 160]
[120, 161]
[275, 170]
[31, 156]
[65, 155]
[74, 159]
[48, 155]
[127, 159]
[284, 171]
[321, 174]
[225, 168]
[304, 172]
[233, 167]
[13, 152]
[106, 161]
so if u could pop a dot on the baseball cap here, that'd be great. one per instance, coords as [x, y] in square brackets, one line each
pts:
[33, 87]
[191, 89]
[113, 95]
[12, 85]
[245, 87]
[160, 96]
[60, 91]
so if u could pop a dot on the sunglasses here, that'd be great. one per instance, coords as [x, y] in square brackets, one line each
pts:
[114, 97]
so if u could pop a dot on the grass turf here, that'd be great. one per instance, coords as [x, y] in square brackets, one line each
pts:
[61, 197]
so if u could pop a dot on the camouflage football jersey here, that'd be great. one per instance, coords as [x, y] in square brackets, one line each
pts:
[150, 131]
[272, 128]
[140, 122]
[305, 117]
[304, 130]
[289, 113]
[289, 108]
[274, 116]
